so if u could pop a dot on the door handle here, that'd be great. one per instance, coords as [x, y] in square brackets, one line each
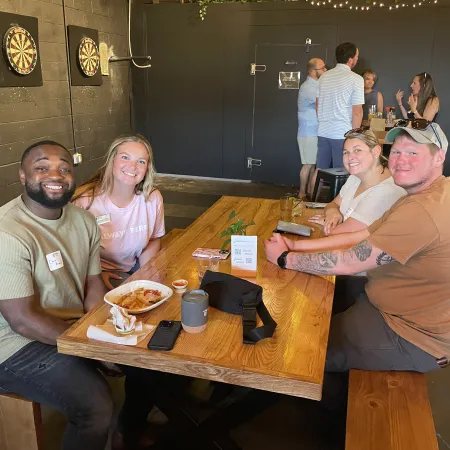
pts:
[253, 162]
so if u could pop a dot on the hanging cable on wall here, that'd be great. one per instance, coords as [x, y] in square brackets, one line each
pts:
[77, 157]
[131, 57]
[129, 40]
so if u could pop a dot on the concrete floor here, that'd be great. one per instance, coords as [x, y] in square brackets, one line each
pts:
[289, 424]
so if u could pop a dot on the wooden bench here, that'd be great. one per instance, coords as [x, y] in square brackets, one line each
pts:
[389, 411]
[171, 236]
[20, 424]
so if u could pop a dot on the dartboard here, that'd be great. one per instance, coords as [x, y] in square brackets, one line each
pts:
[20, 50]
[88, 57]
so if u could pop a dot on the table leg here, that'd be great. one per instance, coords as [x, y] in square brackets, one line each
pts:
[192, 433]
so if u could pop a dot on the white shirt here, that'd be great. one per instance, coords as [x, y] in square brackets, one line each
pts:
[371, 204]
[339, 89]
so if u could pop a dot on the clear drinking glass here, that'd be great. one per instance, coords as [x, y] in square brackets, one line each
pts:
[290, 206]
[286, 206]
[204, 264]
[372, 112]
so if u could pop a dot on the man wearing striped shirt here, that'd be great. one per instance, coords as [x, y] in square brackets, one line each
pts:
[340, 100]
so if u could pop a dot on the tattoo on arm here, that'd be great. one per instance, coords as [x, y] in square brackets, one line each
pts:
[363, 250]
[383, 258]
[322, 262]
[326, 262]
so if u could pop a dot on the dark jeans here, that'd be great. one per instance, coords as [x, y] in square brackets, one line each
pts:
[329, 153]
[361, 339]
[67, 384]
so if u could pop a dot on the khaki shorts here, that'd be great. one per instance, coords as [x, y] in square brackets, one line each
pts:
[308, 149]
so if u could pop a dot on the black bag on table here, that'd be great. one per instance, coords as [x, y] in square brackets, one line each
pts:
[237, 296]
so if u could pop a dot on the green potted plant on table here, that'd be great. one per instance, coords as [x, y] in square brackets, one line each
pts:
[238, 228]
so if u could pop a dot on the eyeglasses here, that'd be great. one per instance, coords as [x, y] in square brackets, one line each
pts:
[357, 130]
[321, 68]
[419, 124]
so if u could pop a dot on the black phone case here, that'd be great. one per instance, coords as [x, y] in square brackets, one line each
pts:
[165, 337]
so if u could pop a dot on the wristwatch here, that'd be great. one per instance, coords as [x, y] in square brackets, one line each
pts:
[282, 260]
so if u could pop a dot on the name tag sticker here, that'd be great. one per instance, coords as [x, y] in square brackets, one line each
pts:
[54, 260]
[106, 218]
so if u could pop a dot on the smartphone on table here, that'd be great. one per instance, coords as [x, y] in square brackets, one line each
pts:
[213, 253]
[165, 335]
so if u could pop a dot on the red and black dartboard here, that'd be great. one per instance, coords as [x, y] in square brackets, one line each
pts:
[20, 50]
[88, 56]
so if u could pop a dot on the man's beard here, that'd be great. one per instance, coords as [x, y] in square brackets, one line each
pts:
[38, 194]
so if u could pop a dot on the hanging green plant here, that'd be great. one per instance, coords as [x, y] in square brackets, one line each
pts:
[236, 228]
[203, 4]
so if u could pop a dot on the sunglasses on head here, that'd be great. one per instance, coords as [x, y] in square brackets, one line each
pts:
[419, 124]
[357, 130]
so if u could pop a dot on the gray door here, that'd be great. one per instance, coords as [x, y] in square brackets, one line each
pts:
[274, 150]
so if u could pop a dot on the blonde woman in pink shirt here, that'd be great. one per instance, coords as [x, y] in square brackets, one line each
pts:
[128, 210]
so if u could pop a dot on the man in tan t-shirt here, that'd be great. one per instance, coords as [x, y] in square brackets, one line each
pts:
[402, 321]
[50, 276]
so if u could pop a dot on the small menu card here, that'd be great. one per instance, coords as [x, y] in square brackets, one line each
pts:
[244, 252]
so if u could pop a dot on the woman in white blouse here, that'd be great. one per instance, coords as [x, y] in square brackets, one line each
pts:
[367, 194]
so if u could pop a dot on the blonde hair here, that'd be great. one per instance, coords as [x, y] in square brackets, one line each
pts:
[370, 72]
[103, 180]
[369, 138]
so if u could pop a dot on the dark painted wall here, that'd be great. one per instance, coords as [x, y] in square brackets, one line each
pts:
[100, 113]
[195, 104]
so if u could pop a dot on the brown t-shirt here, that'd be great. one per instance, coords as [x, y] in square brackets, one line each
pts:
[413, 293]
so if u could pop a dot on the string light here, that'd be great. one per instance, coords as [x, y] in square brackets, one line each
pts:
[372, 5]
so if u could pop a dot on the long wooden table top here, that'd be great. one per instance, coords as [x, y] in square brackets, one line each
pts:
[291, 362]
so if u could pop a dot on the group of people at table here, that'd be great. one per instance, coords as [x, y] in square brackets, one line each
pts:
[331, 102]
[63, 248]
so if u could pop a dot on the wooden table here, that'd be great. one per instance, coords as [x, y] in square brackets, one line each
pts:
[291, 362]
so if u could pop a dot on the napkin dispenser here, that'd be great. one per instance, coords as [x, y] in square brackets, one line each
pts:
[293, 228]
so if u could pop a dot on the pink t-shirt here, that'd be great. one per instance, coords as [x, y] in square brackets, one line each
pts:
[125, 231]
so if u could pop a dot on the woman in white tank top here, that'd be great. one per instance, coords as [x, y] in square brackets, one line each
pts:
[368, 193]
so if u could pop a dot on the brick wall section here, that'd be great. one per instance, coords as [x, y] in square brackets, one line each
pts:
[100, 113]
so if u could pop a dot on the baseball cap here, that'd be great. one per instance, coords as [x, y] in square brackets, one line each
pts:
[432, 134]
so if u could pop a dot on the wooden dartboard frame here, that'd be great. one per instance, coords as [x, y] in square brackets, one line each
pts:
[88, 56]
[20, 50]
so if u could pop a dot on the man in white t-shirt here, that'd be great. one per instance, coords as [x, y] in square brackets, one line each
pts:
[340, 97]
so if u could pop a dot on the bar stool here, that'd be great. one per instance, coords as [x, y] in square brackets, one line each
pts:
[335, 178]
